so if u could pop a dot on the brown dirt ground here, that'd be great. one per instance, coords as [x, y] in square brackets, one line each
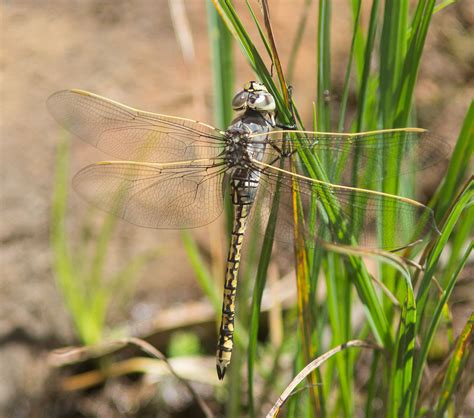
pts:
[129, 52]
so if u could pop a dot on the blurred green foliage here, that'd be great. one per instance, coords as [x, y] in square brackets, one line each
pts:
[79, 262]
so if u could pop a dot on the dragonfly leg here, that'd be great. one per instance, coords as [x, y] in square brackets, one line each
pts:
[292, 110]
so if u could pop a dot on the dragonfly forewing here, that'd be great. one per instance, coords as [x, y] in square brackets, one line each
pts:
[130, 134]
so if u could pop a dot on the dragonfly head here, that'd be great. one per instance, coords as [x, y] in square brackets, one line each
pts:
[254, 96]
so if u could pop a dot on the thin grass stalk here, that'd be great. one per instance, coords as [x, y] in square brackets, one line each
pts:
[334, 273]
[372, 385]
[392, 52]
[359, 45]
[345, 91]
[63, 267]
[442, 302]
[265, 39]
[324, 66]
[461, 235]
[402, 361]
[456, 368]
[223, 72]
[405, 90]
[363, 115]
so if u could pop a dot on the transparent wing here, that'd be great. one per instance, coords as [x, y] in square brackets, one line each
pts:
[154, 195]
[339, 214]
[362, 159]
[131, 134]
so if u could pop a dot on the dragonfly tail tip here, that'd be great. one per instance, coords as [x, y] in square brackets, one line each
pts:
[221, 369]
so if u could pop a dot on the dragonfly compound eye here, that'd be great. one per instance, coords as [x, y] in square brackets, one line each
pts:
[239, 102]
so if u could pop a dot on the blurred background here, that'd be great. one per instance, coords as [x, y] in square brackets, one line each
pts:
[129, 52]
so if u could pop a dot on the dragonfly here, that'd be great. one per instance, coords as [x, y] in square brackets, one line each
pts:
[174, 173]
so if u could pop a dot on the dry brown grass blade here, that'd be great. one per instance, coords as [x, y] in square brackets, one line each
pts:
[273, 413]
[131, 365]
[275, 56]
[152, 351]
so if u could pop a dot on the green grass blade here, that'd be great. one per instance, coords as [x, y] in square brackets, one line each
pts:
[263, 37]
[359, 44]
[64, 269]
[365, 118]
[345, 91]
[402, 359]
[372, 385]
[405, 89]
[222, 67]
[456, 367]
[337, 305]
[392, 52]
[324, 65]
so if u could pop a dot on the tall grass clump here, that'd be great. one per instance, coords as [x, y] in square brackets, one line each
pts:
[407, 304]
[87, 289]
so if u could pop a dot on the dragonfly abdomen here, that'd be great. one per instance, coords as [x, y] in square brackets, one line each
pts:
[242, 206]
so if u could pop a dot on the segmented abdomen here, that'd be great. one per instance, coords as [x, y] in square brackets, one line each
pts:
[243, 194]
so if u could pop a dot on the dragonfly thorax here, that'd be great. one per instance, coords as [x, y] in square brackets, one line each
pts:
[238, 150]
